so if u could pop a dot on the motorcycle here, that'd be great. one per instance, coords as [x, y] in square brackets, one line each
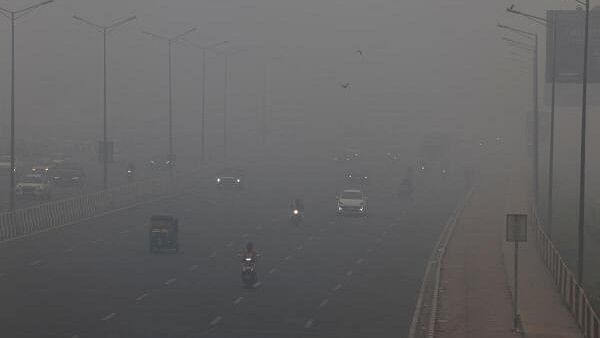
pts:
[249, 277]
[130, 175]
[296, 217]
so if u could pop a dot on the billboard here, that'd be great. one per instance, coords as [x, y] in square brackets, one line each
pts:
[569, 45]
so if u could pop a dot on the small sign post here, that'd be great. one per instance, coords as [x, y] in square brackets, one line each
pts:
[516, 231]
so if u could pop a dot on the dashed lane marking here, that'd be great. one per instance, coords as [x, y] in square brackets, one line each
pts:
[369, 250]
[299, 247]
[337, 287]
[287, 258]
[216, 321]
[213, 254]
[237, 300]
[69, 250]
[230, 244]
[193, 267]
[108, 316]
[170, 281]
[272, 271]
[309, 324]
[349, 273]
[35, 263]
[257, 284]
[140, 297]
[324, 302]
[125, 231]
[360, 261]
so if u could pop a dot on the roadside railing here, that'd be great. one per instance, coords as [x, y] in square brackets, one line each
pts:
[572, 294]
[56, 214]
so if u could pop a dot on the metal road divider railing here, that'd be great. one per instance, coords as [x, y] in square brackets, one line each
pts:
[43, 217]
[572, 294]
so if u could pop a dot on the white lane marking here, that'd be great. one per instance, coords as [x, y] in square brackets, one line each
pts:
[322, 230]
[75, 336]
[124, 232]
[237, 300]
[360, 261]
[213, 254]
[378, 240]
[260, 227]
[272, 271]
[216, 321]
[308, 324]
[349, 273]
[108, 316]
[257, 284]
[310, 238]
[330, 222]
[69, 250]
[369, 250]
[142, 296]
[287, 258]
[391, 225]
[384, 233]
[337, 287]
[170, 281]
[300, 247]
[36, 262]
[324, 302]
[230, 244]
[193, 267]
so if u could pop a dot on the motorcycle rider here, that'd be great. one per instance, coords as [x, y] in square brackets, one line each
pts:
[297, 204]
[250, 252]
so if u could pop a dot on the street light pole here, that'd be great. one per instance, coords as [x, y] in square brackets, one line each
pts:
[170, 41]
[580, 227]
[104, 30]
[203, 109]
[12, 15]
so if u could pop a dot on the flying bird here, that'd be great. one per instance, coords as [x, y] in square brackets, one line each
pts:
[345, 85]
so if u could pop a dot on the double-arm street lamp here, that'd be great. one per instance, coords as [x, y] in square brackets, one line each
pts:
[170, 42]
[13, 15]
[104, 30]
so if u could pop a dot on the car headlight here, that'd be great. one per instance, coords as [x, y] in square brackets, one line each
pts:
[295, 211]
[362, 209]
[218, 180]
[339, 208]
[238, 180]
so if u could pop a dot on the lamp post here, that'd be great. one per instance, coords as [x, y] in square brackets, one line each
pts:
[554, 26]
[170, 41]
[104, 30]
[203, 109]
[13, 15]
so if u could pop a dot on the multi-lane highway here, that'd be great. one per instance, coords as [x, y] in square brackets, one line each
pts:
[329, 277]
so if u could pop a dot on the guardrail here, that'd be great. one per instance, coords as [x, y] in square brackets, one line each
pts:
[43, 217]
[572, 294]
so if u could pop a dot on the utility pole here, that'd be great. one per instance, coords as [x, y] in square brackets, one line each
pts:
[104, 30]
[170, 41]
[13, 15]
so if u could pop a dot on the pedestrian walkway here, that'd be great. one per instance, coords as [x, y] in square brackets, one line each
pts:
[476, 296]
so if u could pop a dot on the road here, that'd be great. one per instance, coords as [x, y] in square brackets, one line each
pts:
[329, 277]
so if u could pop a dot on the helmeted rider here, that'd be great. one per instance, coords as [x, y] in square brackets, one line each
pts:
[250, 252]
[297, 205]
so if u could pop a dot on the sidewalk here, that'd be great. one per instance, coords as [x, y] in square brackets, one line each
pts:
[476, 295]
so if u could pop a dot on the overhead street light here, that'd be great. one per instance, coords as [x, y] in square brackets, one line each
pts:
[104, 30]
[13, 15]
[170, 41]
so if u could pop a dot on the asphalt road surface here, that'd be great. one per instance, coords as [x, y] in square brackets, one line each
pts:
[330, 277]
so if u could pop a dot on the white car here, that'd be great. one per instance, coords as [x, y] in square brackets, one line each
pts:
[34, 185]
[352, 202]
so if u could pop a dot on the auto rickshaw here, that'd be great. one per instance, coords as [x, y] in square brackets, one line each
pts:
[164, 233]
